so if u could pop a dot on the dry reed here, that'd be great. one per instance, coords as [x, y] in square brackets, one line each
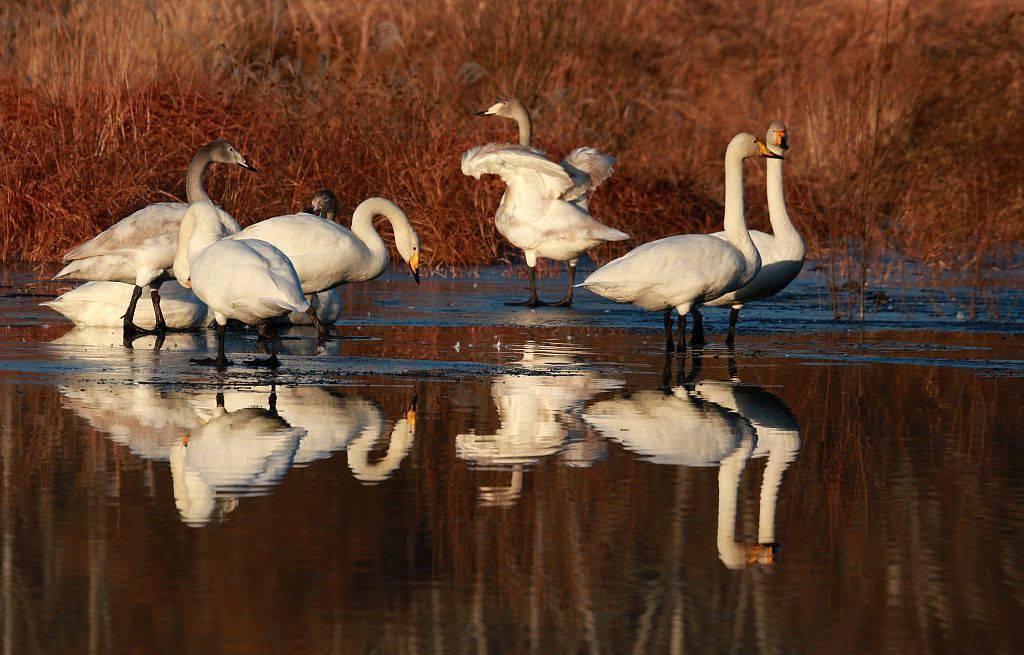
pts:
[904, 117]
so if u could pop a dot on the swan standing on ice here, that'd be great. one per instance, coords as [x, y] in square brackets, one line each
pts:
[782, 252]
[545, 211]
[247, 280]
[327, 255]
[688, 270]
[139, 249]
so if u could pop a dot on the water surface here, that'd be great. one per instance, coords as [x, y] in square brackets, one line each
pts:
[466, 477]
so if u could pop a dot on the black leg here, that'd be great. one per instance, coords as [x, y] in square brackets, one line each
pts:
[222, 360]
[696, 364]
[567, 301]
[682, 333]
[272, 361]
[697, 334]
[734, 373]
[669, 345]
[734, 317]
[131, 331]
[321, 329]
[154, 295]
[534, 301]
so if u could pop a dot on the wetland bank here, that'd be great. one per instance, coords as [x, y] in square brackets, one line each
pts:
[521, 480]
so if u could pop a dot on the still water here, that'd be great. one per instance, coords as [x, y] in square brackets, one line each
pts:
[542, 483]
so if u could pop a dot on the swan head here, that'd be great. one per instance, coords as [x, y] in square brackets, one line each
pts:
[776, 138]
[324, 204]
[222, 152]
[506, 108]
[408, 244]
[746, 145]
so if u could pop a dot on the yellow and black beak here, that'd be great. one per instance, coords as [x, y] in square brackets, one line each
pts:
[765, 152]
[247, 166]
[414, 266]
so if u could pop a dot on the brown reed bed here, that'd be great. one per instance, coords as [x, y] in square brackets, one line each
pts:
[905, 118]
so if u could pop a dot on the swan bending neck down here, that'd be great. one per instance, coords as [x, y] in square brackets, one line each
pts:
[782, 252]
[139, 249]
[327, 255]
[247, 280]
[688, 270]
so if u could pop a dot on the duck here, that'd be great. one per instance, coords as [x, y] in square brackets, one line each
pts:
[247, 280]
[139, 249]
[685, 271]
[782, 252]
[558, 233]
[327, 255]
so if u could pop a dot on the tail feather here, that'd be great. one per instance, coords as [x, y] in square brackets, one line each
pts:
[68, 270]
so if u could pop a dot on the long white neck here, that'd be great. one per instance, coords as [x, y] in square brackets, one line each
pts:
[732, 554]
[195, 189]
[522, 118]
[200, 227]
[778, 462]
[373, 472]
[778, 213]
[735, 221]
[362, 227]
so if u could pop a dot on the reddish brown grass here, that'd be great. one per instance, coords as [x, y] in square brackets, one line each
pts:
[905, 119]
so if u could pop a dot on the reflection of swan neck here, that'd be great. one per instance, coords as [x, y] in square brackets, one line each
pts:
[731, 553]
[778, 462]
[398, 447]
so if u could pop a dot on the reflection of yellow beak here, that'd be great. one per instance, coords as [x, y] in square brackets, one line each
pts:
[184, 440]
[188, 283]
[765, 152]
[411, 417]
[760, 554]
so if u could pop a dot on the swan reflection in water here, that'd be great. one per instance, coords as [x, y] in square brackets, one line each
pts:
[221, 448]
[711, 424]
[539, 410]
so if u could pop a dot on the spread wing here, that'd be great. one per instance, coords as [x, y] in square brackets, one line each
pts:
[588, 168]
[522, 168]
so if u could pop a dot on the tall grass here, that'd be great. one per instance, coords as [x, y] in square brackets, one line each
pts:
[904, 117]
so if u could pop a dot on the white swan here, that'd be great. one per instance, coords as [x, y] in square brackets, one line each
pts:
[101, 304]
[782, 252]
[239, 453]
[334, 423]
[588, 167]
[243, 279]
[686, 271]
[538, 413]
[326, 255]
[400, 443]
[679, 427]
[557, 233]
[139, 249]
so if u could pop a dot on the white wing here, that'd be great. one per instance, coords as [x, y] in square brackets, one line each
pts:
[522, 168]
[588, 168]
